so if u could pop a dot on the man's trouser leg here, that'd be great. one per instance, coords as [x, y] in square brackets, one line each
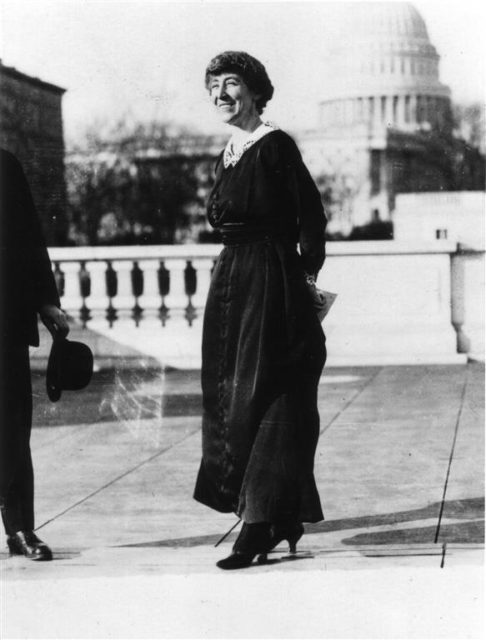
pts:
[16, 473]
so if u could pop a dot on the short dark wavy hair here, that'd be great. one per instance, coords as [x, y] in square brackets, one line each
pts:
[249, 68]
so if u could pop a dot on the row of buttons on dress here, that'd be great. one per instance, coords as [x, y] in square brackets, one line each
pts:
[218, 210]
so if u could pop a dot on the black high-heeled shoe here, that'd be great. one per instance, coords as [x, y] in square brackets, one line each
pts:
[26, 543]
[292, 532]
[253, 540]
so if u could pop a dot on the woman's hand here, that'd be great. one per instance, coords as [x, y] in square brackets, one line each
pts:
[55, 320]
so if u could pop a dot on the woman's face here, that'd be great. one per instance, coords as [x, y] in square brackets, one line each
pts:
[233, 100]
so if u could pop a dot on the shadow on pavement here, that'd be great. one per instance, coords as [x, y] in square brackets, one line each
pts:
[467, 509]
[460, 533]
[471, 509]
[56, 555]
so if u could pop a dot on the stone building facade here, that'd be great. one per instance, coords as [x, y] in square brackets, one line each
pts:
[31, 128]
[385, 123]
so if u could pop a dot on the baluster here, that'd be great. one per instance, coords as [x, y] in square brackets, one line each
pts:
[163, 277]
[59, 278]
[98, 299]
[190, 285]
[124, 298]
[85, 291]
[137, 290]
[150, 299]
[72, 301]
[176, 300]
[111, 281]
[203, 268]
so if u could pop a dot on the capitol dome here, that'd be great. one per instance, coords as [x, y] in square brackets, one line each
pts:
[391, 20]
[383, 70]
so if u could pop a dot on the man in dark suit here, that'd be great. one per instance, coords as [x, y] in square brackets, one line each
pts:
[27, 288]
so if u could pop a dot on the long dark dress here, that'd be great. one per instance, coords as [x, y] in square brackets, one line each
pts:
[263, 347]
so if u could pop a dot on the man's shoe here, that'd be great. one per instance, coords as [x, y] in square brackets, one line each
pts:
[26, 543]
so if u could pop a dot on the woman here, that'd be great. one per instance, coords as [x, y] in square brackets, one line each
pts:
[263, 346]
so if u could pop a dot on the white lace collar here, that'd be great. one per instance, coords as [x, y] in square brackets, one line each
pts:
[239, 143]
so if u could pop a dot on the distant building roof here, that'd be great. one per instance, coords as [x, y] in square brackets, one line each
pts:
[13, 73]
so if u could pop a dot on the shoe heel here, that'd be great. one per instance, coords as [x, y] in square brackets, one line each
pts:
[294, 539]
[262, 558]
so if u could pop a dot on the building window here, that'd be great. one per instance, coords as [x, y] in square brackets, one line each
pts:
[441, 234]
[439, 112]
[407, 108]
[431, 112]
[375, 171]
[406, 180]
[420, 114]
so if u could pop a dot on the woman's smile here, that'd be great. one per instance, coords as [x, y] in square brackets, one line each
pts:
[234, 101]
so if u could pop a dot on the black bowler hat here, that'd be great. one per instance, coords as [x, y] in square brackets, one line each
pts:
[69, 368]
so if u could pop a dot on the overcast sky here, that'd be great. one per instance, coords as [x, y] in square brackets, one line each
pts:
[147, 57]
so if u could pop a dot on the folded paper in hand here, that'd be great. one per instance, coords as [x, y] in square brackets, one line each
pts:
[323, 301]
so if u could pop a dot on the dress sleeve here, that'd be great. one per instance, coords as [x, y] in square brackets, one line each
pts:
[302, 191]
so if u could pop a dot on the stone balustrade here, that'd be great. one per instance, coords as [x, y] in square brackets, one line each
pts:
[397, 303]
[137, 282]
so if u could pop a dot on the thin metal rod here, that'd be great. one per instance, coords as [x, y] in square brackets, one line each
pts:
[444, 551]
[227, 533]
[459, 414]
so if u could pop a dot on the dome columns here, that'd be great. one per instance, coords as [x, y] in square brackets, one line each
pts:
[404, 111]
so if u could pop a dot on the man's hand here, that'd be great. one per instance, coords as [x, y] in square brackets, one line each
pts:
[55, 320]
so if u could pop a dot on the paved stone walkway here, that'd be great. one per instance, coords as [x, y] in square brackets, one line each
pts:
[400, 469]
